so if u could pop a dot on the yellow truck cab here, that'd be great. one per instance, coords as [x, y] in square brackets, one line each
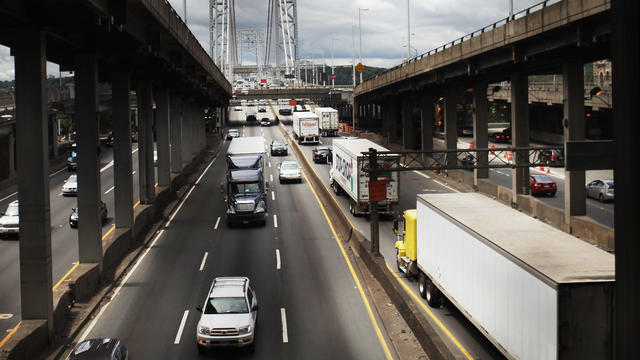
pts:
[406, 248]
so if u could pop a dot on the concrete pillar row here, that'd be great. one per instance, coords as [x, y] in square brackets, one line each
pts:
[146, 176]
[89, 190]
[450, 124]
[574, 130]
[175, 119]
[186, 133]
[356, 113]
[480, 129]
[195, 129]
[36, 297]
[122, 162]
[392, 120]
[426, 122]
[520, 132]
[407, 125]
[162, 133]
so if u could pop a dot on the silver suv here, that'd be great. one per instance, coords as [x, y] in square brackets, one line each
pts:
[229, 314]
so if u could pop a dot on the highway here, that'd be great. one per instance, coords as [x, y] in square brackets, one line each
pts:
[64, 239]
[411, 183]
[311, 306]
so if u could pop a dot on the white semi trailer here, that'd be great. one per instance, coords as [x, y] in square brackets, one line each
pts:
[534, 291]
[347, 176]
[306, 127]
[329, 121]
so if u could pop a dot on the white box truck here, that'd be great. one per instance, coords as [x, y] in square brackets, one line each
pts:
[306, 127]
[329, 121]
[347, 176]
[534, 291]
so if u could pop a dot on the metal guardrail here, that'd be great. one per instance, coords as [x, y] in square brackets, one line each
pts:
[501, 22]
[438, 160]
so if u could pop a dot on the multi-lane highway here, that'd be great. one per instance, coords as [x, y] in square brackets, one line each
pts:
[311, 305]
[64, 239]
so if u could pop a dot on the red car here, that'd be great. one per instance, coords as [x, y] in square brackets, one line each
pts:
[542, 184]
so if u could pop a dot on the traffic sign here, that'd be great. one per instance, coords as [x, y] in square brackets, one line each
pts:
[333, 76]
[377, 190]
[292, 102]
[359, 67]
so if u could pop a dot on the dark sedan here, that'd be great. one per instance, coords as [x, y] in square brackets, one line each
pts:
[99, 349]
[542, 184]
[322, 155]
[502, 137]
[73, 218]
[279, 147]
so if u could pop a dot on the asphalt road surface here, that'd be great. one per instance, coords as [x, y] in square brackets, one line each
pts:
[64, 239]
[294, 263]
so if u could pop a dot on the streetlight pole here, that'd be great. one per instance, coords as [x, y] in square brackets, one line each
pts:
[408, 31]
[510, 10]
[333, 67]
[184, 9]
[360, 10]
[353, 55]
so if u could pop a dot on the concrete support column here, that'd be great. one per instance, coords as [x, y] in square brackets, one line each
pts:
[89, 191]
[122, 162]
[36, 298]
[426, 122]
[480, 129]
[356, 113]
[162, 133]
[520, 132]
[392, 120]
[407, 125]
[175, 119]
[186, 133]
[450, 125]
[384, 124]
[574, 130]
[146, 176]
[195, 129]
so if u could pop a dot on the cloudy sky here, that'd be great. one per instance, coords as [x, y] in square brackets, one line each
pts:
[384, 26]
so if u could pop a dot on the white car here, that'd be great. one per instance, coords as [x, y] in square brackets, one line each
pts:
[70, 186]
[10, 220]
[290, 171]
[233, 133]
[229, 314]
[237, 108]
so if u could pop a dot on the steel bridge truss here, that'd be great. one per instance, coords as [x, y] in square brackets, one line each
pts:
[251, 41]
[469, 159]
[222, 35]
[282, 35]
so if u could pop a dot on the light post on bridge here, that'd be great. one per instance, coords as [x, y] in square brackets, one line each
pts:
[333, 74]
[360, 10]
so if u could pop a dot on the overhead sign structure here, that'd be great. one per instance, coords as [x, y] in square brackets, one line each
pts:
[292, 102]
[377, 190]
[359, 67]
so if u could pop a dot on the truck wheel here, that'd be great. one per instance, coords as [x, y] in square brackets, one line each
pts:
[422, 285]
[432, 294]
[398, 261]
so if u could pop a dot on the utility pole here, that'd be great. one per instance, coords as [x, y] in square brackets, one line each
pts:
[408, 32]
[360, 10]
[184, 10]
[333, 67]
[353, 56]
[373, 204]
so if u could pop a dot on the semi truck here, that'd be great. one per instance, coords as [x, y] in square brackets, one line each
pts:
[306, 127]
[246, 186]
[329, 121]
[348, 178]
[534, 291]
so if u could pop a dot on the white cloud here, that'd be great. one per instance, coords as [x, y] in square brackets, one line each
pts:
[384, 26]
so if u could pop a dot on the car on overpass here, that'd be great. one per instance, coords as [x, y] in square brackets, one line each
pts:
[70, 187]
[290, 172]
[10, 220]
[265, 122]
[601, 189]
[279, 147]
[503, 136]
[229, 314]
[73, 218]
[540, 184]
[322, 154]
[232, 133]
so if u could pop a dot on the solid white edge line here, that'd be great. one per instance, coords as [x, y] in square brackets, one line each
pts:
[205, 170]
[275, 220]
[110, 189]
[283, 317]
[204, 260]
[16, 193]
[217, 223]
[273, 196]
[117, 290]
[181, 328]
[55, 173]
[269, 163]
[277, 259]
